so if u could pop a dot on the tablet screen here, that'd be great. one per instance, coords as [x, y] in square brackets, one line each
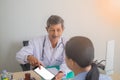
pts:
[47, 75]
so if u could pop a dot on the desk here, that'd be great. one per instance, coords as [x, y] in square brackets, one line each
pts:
[19, 75]
[115, 76]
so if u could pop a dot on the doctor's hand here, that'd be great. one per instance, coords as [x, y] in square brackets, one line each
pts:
[59, 75]
[33, 61]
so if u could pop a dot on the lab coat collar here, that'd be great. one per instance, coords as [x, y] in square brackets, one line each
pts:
[49, 43]
[48, 53]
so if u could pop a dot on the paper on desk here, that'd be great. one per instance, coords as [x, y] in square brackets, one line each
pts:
[53, 70]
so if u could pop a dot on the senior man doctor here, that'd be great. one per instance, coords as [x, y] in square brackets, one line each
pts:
[47, 50]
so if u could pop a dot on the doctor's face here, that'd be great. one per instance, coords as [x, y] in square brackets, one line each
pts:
[55, 31]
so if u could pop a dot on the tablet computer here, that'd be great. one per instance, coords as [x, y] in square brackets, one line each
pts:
[44, 73]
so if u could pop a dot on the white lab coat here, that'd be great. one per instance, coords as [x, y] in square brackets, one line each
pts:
[52, 56]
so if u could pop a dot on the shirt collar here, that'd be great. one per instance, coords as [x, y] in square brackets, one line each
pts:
[48, 43]
[81, 76]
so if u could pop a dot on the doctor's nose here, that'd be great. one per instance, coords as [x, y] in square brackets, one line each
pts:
[56, 33]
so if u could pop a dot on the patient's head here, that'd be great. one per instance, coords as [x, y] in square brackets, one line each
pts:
[79, 51]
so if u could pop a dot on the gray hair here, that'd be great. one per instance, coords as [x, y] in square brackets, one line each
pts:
[54, 19]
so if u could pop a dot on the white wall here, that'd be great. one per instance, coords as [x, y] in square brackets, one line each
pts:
[24, 19]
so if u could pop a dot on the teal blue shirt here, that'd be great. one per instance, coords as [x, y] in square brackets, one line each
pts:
[81, 76]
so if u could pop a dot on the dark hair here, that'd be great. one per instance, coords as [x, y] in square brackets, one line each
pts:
[54, 19]
[80, 49]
